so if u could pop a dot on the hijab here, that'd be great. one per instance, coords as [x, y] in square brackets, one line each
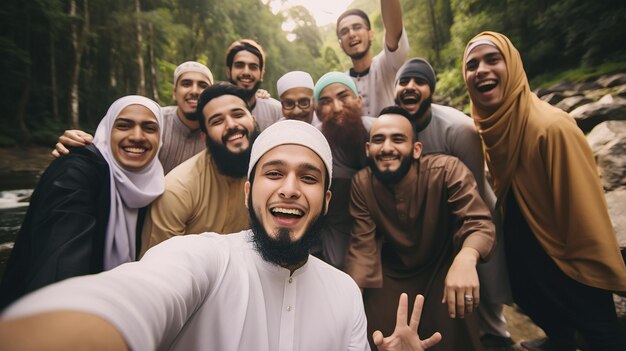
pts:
[130, 189]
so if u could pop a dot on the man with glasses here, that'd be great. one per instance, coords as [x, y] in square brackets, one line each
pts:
[374, 76]
[295, 90]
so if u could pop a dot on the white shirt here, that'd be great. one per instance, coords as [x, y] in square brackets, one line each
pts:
[377, 88]
[215, 292]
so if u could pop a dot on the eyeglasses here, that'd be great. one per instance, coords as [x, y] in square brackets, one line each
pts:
[355, 28]
[301, 103]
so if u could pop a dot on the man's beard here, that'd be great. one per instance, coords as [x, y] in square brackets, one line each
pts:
[252, 91]
[280, 250]
[229, 163]
[190, 116]
[346, 137]
[424, 106]
[359, 55]
[390, 177]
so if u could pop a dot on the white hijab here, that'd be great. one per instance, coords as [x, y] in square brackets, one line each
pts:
[130, 190]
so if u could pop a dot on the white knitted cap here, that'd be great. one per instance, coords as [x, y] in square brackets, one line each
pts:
[294, 79]
[192, 66]
[292, 132]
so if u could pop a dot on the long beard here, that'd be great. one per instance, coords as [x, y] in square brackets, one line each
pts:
[281, 250]
[390, 177]
[228, 163]
[347, 136]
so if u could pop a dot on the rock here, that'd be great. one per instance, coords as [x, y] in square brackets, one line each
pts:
[616, 200]
[553, 98]
[563, 86]
[608, 144]
[570, 103]
[588, 86]
[621, 91]
[612, 80]
[608, 108]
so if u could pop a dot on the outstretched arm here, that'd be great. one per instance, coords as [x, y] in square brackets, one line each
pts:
[71, 137]
[64, 330]
[391, 11]
[405, 336]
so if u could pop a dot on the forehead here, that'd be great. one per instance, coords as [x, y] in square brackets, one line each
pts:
[222, 104]
[292, 156]
[348, 21]
[334, 89]
[246, 57]
[137, 112]
[391, 124]
[193, 76]
[297, 93]
[481, 51]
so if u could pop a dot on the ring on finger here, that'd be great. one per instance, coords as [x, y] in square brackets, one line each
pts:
[469, 298]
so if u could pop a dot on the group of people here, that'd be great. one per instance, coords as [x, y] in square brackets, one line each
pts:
[358, 172]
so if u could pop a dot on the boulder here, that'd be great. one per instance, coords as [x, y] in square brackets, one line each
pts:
[608, 108]
[616, 200]
[612, 80]
[563, 86]
[608, 144]
[570, 103]
[621, 91]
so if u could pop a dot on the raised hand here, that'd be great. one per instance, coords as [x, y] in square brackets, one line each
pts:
[405, 336]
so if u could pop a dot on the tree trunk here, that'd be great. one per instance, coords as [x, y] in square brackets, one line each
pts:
[436, 38]
[25, 93]
[78, 44]
[53, 80]
[153, 64]
[142, 76]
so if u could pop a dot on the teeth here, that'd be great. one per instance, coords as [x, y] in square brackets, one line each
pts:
[486, 82]
[235, 136]
[291, 211]
[135, 150]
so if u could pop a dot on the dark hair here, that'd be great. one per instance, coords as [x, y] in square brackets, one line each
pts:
[354, 12]
[216, 90]
[247, 45]
[395, 110]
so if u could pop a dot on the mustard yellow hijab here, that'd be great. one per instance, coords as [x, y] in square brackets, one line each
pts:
[538, 152]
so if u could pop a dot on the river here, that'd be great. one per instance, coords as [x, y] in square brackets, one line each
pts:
[20, 169]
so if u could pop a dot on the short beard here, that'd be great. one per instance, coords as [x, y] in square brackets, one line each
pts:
[232, 164]
[421, 111]
[190, 116]
[280, 250]
[251, 92]
[390, 177]
[359, 55]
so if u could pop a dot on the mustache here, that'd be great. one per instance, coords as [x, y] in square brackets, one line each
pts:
[233, 131]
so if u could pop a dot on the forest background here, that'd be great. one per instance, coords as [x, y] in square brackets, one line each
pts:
[65, 61]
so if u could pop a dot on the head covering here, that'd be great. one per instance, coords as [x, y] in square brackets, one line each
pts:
[418, 67]
[331, 78]
[294, 79]
[192, 66]
[538, 152]
[130, 190]
[292, 132]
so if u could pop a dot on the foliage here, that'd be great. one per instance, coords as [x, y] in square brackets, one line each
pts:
[584, 38]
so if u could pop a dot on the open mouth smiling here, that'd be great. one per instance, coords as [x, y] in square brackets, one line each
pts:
[286, 212]
[486, 85]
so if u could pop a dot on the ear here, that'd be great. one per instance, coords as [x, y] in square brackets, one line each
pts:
[246, 192]
[359, 101]
[327, 198]
[417, 150]
[174, 93]
[371, 34]
[367, 148]
[227, 72]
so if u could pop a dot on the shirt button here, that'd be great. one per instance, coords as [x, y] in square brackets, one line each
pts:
[290, 280]
[289, 308]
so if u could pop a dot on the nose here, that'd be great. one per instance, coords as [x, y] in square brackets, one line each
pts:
[289, 188]
[337, 105]
[230, 122]
[386, 147]
[482, 68]
[195, 88]
[412, 84]
[136, 133]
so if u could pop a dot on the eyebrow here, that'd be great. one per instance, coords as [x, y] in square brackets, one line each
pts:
[305, 165]
[220, 114]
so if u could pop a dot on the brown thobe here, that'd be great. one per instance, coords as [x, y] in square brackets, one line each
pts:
[404, 239]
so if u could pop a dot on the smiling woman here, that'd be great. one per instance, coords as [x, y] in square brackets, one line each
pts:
[83, 214]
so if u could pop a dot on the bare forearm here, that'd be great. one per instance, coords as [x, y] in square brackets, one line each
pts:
[391, 12]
